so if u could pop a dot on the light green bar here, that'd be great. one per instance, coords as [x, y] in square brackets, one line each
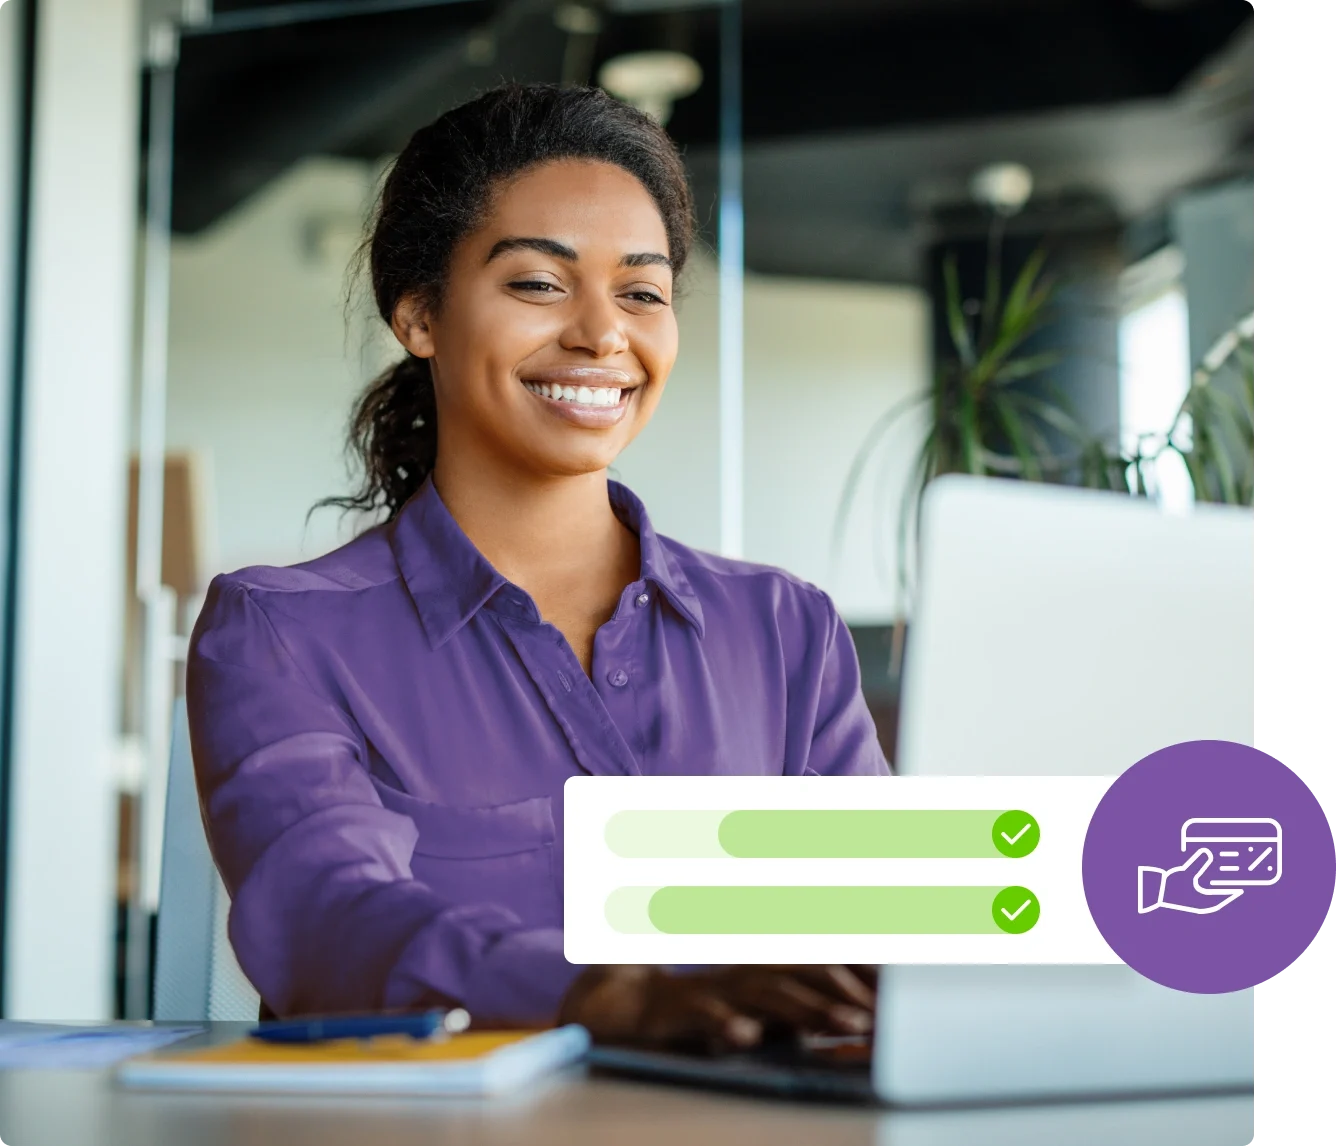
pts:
[665, 835]
[627, 910]
[824, 910]
[871, 833]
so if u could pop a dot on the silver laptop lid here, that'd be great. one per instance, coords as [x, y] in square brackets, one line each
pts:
[1066, 631]
[1071, 631]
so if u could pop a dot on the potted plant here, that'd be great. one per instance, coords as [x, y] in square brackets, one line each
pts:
[993, 411]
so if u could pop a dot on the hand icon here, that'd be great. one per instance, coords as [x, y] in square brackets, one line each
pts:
[1179, 888]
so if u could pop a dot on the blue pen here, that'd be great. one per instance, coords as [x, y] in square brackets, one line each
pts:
[428, 1024]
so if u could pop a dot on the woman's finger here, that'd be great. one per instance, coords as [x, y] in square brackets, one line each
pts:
[780, 995]
[686, 1010]
[870, 973]
[840, 982]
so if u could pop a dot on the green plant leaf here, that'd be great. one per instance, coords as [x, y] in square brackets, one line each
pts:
[920, 474]
[992, 283]
[1120, 467]
[1229, 415]
[971, 441]
[869, 443]
[1014, 431]
[1109, 468]
[1196, 473]
[1219, 454]
[1244, 355]
[1009, 338]
[1027, 296]
[1027, 367]
[1055, 416]
[1143, 483]
[955, 314]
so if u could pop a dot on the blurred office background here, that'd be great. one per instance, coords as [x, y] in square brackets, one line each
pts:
[183, 185]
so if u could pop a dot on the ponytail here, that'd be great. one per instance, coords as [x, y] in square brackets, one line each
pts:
[392, 435]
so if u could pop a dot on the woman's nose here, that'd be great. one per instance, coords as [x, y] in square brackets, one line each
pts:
[596, 328]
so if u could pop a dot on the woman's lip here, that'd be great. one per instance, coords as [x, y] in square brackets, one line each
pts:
[595, 377]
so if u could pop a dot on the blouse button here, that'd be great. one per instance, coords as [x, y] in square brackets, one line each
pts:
[617, 678]
[642, 600]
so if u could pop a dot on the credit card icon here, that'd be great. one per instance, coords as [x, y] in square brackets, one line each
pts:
[1246, 849]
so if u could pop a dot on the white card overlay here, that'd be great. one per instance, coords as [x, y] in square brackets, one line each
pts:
[628, 837]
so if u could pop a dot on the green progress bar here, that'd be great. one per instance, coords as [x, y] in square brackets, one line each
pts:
[822, 910]
[815, 833]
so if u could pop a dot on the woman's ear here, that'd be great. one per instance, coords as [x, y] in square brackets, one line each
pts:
[412, 328]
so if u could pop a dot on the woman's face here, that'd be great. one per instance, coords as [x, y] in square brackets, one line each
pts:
[556, 333]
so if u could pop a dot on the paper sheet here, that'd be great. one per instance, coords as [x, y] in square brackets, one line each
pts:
[61, 1046]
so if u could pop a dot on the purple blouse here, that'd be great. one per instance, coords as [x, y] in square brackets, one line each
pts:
[381, 737]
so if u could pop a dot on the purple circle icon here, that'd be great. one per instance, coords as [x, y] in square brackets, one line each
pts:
[1208, 866]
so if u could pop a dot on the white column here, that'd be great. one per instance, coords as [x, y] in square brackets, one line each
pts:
[59, 941]
[731, 394]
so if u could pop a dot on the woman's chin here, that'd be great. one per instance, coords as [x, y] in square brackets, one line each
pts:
[568, 450]
[579, 465]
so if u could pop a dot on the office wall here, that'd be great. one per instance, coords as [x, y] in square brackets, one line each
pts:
[60, 901]
[263, 372]
[262, 369]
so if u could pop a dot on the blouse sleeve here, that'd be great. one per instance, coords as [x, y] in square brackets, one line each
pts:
[843, 735]
[326, 916]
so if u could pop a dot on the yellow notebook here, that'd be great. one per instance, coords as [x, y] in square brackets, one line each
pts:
[475, 1062]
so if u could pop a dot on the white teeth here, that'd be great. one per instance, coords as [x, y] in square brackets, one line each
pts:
[581, 395]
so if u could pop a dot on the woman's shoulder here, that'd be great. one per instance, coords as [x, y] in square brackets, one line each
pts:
[312, 593]
[362, 563]
[736, 584]
[277, 615]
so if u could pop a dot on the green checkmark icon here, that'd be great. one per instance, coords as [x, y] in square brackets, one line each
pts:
[1015, 834]
[1015, 909]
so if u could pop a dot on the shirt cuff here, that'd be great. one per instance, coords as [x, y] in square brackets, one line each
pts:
[521, 978]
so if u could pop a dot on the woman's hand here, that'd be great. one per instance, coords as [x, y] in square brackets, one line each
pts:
[723, 1007]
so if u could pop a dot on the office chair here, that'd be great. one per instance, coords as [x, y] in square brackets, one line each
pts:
[196, 975]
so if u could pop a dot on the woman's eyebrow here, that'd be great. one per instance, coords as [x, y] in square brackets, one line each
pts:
[543, 246]
[647, 259]
[561, 251]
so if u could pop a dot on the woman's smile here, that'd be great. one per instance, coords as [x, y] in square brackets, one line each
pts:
[590, 396]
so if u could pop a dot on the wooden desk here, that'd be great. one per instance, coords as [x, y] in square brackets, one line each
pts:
[40, 1108]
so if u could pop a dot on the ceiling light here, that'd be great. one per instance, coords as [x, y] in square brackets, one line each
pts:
[651, 81]
[1005, 187]
[577, 20]
[480, 48]
[637, 7]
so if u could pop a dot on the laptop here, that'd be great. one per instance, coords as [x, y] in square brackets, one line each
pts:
[1057, 631]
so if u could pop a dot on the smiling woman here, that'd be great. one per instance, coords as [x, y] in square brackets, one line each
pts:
[381, 735]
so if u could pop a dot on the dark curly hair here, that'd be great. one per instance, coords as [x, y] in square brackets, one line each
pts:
[437, 191]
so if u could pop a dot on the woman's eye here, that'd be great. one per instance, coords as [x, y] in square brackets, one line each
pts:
[538, 286]
[645, 296]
